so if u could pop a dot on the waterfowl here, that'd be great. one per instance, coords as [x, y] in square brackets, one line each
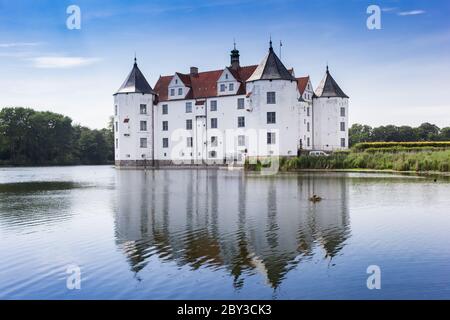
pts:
[315, 198]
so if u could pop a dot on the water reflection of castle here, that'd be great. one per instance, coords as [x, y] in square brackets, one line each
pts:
[245, 224]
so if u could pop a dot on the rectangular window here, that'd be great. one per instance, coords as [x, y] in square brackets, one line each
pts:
[270, 137]
[343, 142]
[308, 142]
[213, 105]
[240, 103]
[165, 142]
[143, 125]
[188, 107]
[271, 117]
[222, 87]
[212, 154]
[189, 124]
[143, 142]
[165, 109]
[180, 91]
[342, 112]
[117, 126]
[342, 126]
[172, 92]
[213, 123]
[271, 97]
[231, 86]
[241, 122]
[213, 141]
[117, 143]
[115, 110]
[307, 127]
[307, 112]
[165, 125]
[189, 141]
[143, 109]
[241, 141]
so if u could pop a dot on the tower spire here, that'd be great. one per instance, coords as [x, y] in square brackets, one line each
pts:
[135, 60]
[234, 57]
[270, 43]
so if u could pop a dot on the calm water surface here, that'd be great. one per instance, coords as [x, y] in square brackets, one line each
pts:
[203, 234]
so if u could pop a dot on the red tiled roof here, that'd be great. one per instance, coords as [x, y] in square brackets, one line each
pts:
[301, 84]
[204, 84]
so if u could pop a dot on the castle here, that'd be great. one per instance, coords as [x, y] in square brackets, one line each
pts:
[231, 114]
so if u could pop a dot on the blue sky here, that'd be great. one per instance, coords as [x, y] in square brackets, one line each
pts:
[399, 74]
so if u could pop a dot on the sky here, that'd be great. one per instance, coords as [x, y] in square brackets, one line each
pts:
[399, 74]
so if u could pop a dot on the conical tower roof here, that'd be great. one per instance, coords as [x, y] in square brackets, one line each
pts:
[328, 88]
[271, 68]
[135, 82]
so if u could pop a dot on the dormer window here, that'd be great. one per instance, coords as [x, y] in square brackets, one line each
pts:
[222, 87]
[180, 91]
[176, 81]
[231, 86]
[226, 76]
[172, 92]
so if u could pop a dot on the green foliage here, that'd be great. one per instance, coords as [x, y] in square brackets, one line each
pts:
[29, 137]
[425, 132]
[403, 161]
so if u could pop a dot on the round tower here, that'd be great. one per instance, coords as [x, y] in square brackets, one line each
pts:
[330, 109]
[273, 91]
[134, 105]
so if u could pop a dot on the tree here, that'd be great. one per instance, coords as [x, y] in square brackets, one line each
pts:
[93, 147]
[14, 125]
[427, 132]
[359, 133]
[406, 133]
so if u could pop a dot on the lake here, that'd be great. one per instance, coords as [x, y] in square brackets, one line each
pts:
[218, 234]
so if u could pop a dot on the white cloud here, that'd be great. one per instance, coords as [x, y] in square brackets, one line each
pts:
[19, 44]
[389, 9]
[411, 13]
[62, 62]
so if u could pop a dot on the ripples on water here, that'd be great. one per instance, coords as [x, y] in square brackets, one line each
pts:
[220, 234]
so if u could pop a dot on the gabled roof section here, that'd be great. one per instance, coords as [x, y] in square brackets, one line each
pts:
[271, 68]
[203, 84]
[135, 82]
[184, 78]
[302, 83]
[329, 88]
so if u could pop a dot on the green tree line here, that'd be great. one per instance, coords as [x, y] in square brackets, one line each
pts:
[390, 133]
[29, 137]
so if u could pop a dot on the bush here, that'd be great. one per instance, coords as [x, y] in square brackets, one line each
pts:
[417, 144]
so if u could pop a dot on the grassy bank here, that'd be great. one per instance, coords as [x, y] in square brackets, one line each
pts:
[413, 159]
[399, 161]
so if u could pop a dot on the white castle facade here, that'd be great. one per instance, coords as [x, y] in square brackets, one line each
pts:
[231, 114]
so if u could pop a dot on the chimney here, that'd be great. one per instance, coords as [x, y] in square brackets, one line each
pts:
[194, 71]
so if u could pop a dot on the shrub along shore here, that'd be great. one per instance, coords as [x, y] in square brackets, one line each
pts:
[414, 156]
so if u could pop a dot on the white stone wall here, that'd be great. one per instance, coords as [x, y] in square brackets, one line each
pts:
[127, 136]
[327, 119]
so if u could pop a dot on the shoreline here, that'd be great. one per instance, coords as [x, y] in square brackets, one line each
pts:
[241, 168]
